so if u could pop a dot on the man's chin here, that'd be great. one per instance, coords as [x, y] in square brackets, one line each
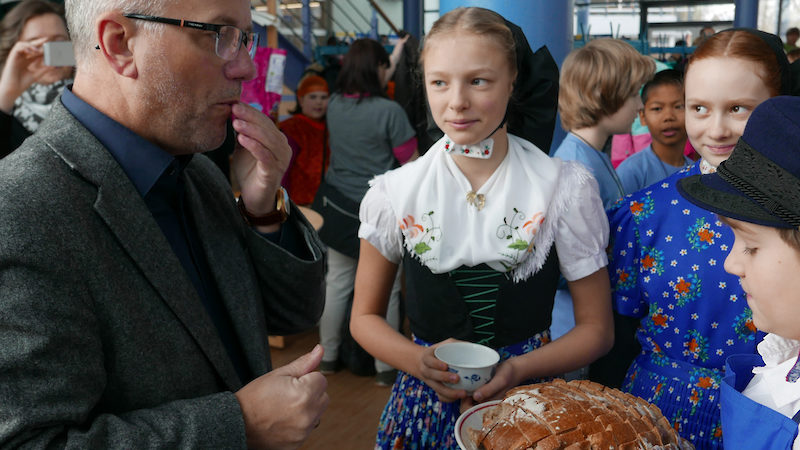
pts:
[205, 142]
[216, 134]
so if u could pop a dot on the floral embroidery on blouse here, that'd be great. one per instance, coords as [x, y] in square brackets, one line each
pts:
[426, 236]
[520, 230]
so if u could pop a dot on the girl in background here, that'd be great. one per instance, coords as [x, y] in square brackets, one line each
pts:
[308, 137]
[667, 254]
[369, 134]
[483, 224]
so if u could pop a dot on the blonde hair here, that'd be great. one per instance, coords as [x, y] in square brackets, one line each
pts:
[597, 79]
[479, 21]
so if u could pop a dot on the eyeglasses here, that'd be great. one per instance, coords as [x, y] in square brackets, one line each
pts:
[229, 38]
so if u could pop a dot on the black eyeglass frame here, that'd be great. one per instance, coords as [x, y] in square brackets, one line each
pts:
[183, 23]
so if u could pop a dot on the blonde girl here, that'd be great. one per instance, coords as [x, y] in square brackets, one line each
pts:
[483, 225]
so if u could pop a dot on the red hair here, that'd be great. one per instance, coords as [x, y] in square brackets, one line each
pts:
[746, 46]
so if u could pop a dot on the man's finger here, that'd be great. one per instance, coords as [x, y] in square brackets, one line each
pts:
[302, 365]
[255, 148]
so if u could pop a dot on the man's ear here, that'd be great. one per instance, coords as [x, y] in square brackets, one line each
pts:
[642, 118]
[116, 34]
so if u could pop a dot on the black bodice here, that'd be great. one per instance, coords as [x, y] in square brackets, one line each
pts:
[479, 304]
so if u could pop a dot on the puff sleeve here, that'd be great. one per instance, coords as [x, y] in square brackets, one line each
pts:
[378, 222]
[582, 232]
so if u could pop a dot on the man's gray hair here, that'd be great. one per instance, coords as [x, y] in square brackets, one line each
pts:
[82, 15]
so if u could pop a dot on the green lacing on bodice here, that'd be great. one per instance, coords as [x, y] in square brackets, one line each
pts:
[478, 287]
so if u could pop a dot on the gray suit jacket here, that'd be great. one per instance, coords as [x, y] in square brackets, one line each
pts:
[104, 341]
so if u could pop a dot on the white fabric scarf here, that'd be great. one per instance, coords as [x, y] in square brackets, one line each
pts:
[445, 231]
[32, 106]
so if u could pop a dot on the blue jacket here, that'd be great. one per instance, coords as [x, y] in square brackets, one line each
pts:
[747, 424]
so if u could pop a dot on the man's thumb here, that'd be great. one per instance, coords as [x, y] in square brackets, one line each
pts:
[302, 365]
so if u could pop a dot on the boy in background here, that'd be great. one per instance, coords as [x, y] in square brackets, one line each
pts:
[598, 97]
[757, 193]
[663, 115]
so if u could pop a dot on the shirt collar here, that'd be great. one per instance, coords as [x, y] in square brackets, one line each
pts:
[780, 355]
[140, 159]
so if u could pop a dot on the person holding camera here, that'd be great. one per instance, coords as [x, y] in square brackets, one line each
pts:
[27, 85]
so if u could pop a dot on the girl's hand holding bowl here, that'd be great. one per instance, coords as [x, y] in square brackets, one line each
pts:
[473, 363]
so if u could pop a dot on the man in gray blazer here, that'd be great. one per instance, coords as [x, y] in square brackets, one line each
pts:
[136, 296]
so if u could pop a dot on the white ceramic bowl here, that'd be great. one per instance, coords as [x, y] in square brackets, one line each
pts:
[474, 363]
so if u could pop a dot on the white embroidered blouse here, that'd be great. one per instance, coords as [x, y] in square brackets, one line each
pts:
[531, 202]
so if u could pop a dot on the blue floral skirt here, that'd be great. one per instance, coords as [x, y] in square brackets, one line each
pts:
[415, 419]
[687, 395]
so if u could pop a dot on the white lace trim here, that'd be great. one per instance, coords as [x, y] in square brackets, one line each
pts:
[573, 177]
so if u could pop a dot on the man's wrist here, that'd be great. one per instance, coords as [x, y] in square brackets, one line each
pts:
[275, 217]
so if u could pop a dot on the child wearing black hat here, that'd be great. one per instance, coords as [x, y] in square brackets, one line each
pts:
[756, 191]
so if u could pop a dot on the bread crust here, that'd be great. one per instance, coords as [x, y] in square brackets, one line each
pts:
[574, 415]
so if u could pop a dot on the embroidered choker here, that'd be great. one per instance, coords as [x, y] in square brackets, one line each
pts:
[481, 150]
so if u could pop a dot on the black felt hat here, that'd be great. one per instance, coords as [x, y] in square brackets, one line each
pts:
[760, 181]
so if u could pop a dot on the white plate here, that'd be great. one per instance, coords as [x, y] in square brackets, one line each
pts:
[471, 419]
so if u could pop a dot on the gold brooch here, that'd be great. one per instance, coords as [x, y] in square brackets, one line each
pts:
[476, 200]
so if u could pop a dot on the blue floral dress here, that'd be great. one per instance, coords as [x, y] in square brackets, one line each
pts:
[666, 267]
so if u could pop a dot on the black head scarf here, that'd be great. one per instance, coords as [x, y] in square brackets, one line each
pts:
[532, 110]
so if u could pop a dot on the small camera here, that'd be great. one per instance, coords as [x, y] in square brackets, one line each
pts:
[58, 53]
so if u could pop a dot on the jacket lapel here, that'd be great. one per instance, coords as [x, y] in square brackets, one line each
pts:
[124, 211]
[230, 267]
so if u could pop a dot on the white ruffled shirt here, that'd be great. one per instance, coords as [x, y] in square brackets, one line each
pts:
[531, 202]
[769, 386]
